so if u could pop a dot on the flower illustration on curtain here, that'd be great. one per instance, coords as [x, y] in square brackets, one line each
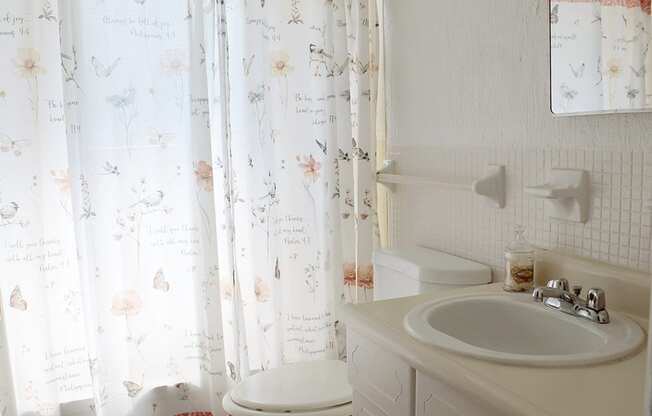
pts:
[295, 13]
[28, 63]
[262, 209]
[262, 290]
[47, 13]
[247, 63]
[86, 204]
[210, 285]
[28, 66]
[70, 66]
[310, 168]
[614, 68]
[349, 274]
[204, 175]
[257, 98]
[280, 61]
[109, 168]
[281, 64]
[127, 303]
[174, 62]
[204, 179]
[614, 71]
[159, 138]
[312, 275]
[226, 289]
[129, 219]
[361, 276]
[348, 202]
[124, 100]
[151, 200]
[72, 304]
[366, 277]
[631, 93]
[367, 203]
[124, 104]
[34, 396]
[61, 178]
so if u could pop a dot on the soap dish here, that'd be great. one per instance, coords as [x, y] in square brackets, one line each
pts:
[566, 193]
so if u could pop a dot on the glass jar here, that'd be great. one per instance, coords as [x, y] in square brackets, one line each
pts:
[519, 263]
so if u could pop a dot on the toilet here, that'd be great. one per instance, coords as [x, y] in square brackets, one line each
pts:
[313, 388]
[321, 388]
[415, 270]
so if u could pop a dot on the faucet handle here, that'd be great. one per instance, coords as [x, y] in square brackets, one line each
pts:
[558, 284]
[596, 299]
[576, 289]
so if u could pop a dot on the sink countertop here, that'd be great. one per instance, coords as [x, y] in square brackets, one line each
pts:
[615, 388]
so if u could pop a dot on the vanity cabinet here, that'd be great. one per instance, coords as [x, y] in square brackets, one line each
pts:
[435, 398]
[384, 384]
[363, 406]
[379, 377]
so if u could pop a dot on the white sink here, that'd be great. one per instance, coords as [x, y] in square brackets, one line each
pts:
[513, 329]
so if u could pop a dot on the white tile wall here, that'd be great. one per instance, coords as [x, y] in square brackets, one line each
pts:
[468, 83]
[618, 231]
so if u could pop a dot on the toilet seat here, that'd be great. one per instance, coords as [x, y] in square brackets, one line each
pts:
[234, 409]
[313, 388]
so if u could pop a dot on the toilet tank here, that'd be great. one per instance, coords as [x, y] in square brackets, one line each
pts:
[415, 270]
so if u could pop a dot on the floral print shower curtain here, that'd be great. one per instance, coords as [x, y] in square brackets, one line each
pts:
[186, 192]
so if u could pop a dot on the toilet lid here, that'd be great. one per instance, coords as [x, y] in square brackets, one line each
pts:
[296, 387]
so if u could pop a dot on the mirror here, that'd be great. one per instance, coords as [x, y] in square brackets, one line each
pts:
[599, 56]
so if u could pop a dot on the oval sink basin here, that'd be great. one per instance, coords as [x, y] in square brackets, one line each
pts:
[513, 329]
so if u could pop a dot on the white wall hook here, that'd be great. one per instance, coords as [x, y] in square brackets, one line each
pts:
[492, 185]
[567, 194]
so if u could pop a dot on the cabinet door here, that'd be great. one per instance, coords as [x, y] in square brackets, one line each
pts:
[435, 398]
[363, 407]
[382, 377]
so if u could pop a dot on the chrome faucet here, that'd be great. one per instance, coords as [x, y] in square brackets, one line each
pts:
[556, 295]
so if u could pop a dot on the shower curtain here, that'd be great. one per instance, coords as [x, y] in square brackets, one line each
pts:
[186, 192]
[599, 51]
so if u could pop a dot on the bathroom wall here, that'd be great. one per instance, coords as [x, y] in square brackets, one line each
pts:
[469, 85]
